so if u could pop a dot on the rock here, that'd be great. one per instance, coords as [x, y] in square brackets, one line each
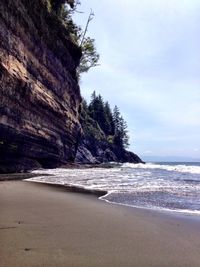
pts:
[94, 151]
[131, 157]
[84, 156]
[109, 156]
[11, 165]
[39, 93]
[40, 96]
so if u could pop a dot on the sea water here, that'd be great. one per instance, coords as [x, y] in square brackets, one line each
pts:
[163, 186]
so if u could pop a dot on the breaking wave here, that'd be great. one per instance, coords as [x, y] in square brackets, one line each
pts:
[174, 187]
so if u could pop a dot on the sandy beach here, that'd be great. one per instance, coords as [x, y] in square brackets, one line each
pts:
[42, 225]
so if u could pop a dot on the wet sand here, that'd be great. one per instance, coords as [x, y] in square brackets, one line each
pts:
[42, 225]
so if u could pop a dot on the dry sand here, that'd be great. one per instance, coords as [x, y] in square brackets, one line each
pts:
[41, 225]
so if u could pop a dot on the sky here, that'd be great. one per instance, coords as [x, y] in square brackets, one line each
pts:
[150, 68]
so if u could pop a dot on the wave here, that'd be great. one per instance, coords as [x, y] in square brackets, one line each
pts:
[182, 211]
[176, 168]
[155, 186]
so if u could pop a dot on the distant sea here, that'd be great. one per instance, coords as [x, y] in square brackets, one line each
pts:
[167, 186]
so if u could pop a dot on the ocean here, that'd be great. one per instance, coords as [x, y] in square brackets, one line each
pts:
[162, 186]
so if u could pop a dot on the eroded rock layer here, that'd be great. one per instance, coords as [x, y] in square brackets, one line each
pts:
[39, 93]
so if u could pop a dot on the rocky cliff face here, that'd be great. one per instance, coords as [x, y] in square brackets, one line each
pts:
[39, 93]
[93, 151]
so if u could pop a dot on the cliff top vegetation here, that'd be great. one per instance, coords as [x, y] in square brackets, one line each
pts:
[102, 123]
[65, 9]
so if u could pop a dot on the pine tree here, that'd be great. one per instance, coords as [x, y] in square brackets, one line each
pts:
[93, 96]
[121, 134]
[116, 119]
[96, 108]
[109, 123]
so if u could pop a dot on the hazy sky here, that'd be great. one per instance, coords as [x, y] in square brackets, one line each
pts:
[150, 68]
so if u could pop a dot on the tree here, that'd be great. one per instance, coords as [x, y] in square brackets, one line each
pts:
[96, 108]
[99, 121]
[123, 132]
[109, 121]
[90, 126]
[116, 119]
[93, 97]
[91, 106]
[65, 9]
[90, 57]
[121, 137]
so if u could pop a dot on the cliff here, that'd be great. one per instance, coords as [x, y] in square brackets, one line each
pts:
[99, 142]
[93, 151]
[40, 120]
[39, 93]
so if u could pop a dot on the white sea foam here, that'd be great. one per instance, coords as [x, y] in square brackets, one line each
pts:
[179, 183]
[183, 211]
[177, 168]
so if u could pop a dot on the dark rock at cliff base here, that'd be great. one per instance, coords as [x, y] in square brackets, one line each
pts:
[85, 156]
[12, 165]
[39, 93]
[91, 151]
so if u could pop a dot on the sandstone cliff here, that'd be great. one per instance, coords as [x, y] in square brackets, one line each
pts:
[39, 93]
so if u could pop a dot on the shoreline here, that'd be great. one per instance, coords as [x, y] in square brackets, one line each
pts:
[73, 188]
[18, 176]
[100, 194]
[168, 212]
[42, 225]
[97, 192]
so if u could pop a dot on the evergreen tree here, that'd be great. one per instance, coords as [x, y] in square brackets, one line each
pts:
[116, 119]
[96, 108]
[121, 134]
[93, 98]
[92, 105]
[90, 126]
[109, 123]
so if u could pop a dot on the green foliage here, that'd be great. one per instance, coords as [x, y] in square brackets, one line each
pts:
[121, 134]
[90, 57]
[90, 127]
[110, 139]
[109, 120]
[100, 122]
[96, 110]
[65, 9]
